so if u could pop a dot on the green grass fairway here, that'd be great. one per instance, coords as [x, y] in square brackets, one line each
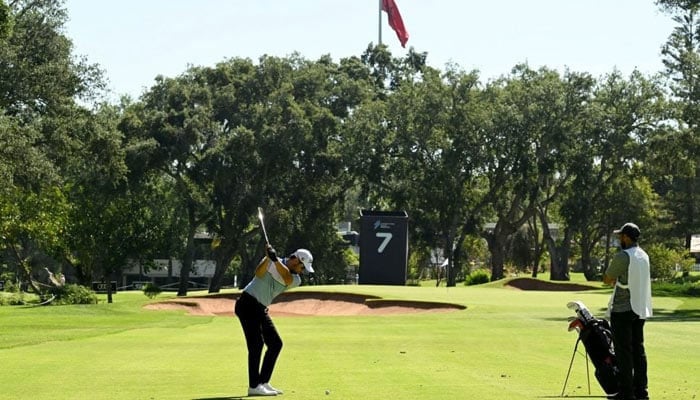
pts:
[507, 344]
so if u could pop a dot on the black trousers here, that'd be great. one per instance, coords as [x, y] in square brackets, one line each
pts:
[628, 338]
[258, 330]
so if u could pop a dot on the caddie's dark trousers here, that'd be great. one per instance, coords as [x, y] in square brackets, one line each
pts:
[628, 338]
[258, 330]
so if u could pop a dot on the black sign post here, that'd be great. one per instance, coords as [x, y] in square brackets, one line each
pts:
[383, 247]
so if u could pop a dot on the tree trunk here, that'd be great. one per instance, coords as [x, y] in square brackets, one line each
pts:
[186, 265]
[549, 242]
[588, 269]
[559, 258]
[170, 271]
[497, 246]
[498, 256]
[189, 253]
[215, 282]
[537, 253]
[109, 288]
[223, 260]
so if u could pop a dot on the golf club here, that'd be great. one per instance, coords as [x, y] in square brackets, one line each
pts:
[262, 225]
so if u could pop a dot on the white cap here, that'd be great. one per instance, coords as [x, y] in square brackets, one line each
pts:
[305, 257]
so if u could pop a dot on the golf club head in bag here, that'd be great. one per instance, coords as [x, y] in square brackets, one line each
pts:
[575, 324]
[596, 335]
[580, 309]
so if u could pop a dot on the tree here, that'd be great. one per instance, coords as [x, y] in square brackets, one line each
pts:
[619, 118]
[31, 226]
[6, 20]
[241, 135]
[38, 73]
[438, 143]
[673, 165]
[175, 127]
[416, 147]
[529, 141]
[280, 149]
[113, 220]
[39, 84]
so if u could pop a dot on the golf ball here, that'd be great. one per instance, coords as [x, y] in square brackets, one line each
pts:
[328, 391]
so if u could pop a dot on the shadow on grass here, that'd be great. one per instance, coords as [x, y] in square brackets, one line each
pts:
[661, 314]
[222, 398]
[573, 396]
[598, 313]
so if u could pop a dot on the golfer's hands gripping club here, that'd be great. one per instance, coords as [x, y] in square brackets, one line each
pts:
[271, 253]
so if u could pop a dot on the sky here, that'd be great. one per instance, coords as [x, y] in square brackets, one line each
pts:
[133, 41]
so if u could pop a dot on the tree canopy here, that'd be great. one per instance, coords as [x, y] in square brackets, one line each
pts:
[535, 160]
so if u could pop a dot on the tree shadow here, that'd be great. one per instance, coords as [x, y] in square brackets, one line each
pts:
[662, 314]
[598, 313]
[574, 396]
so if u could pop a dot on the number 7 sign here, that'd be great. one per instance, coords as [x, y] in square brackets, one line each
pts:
[387, 238]
[383, 247]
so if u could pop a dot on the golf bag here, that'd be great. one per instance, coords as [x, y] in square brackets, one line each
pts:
[596, 336]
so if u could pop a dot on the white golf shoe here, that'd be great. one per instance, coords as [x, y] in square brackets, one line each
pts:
[261, 390]
[272, 389]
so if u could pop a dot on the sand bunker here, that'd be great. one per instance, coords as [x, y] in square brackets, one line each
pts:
[307, 304]
[536, 284]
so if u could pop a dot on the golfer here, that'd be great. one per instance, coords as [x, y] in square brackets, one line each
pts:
[272, 277]
[630, 306]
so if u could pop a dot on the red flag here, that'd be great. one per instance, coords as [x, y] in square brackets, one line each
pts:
[395, 20]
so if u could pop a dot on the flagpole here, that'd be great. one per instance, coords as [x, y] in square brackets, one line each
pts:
[380, 21]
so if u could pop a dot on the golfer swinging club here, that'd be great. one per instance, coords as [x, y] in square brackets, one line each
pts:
[272, 277]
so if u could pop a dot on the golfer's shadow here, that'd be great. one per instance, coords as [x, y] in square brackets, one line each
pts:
[223, 398]
[574, 396]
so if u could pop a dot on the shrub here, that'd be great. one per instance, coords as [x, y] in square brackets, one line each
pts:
[477, 277]
[687, 289]
[12, 287]
[15, 299]
[151, 290]
[74, 294]
[11, 284]
[687, 279]
[666, 262]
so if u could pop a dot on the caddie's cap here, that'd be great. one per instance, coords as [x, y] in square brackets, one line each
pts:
[630, 229]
